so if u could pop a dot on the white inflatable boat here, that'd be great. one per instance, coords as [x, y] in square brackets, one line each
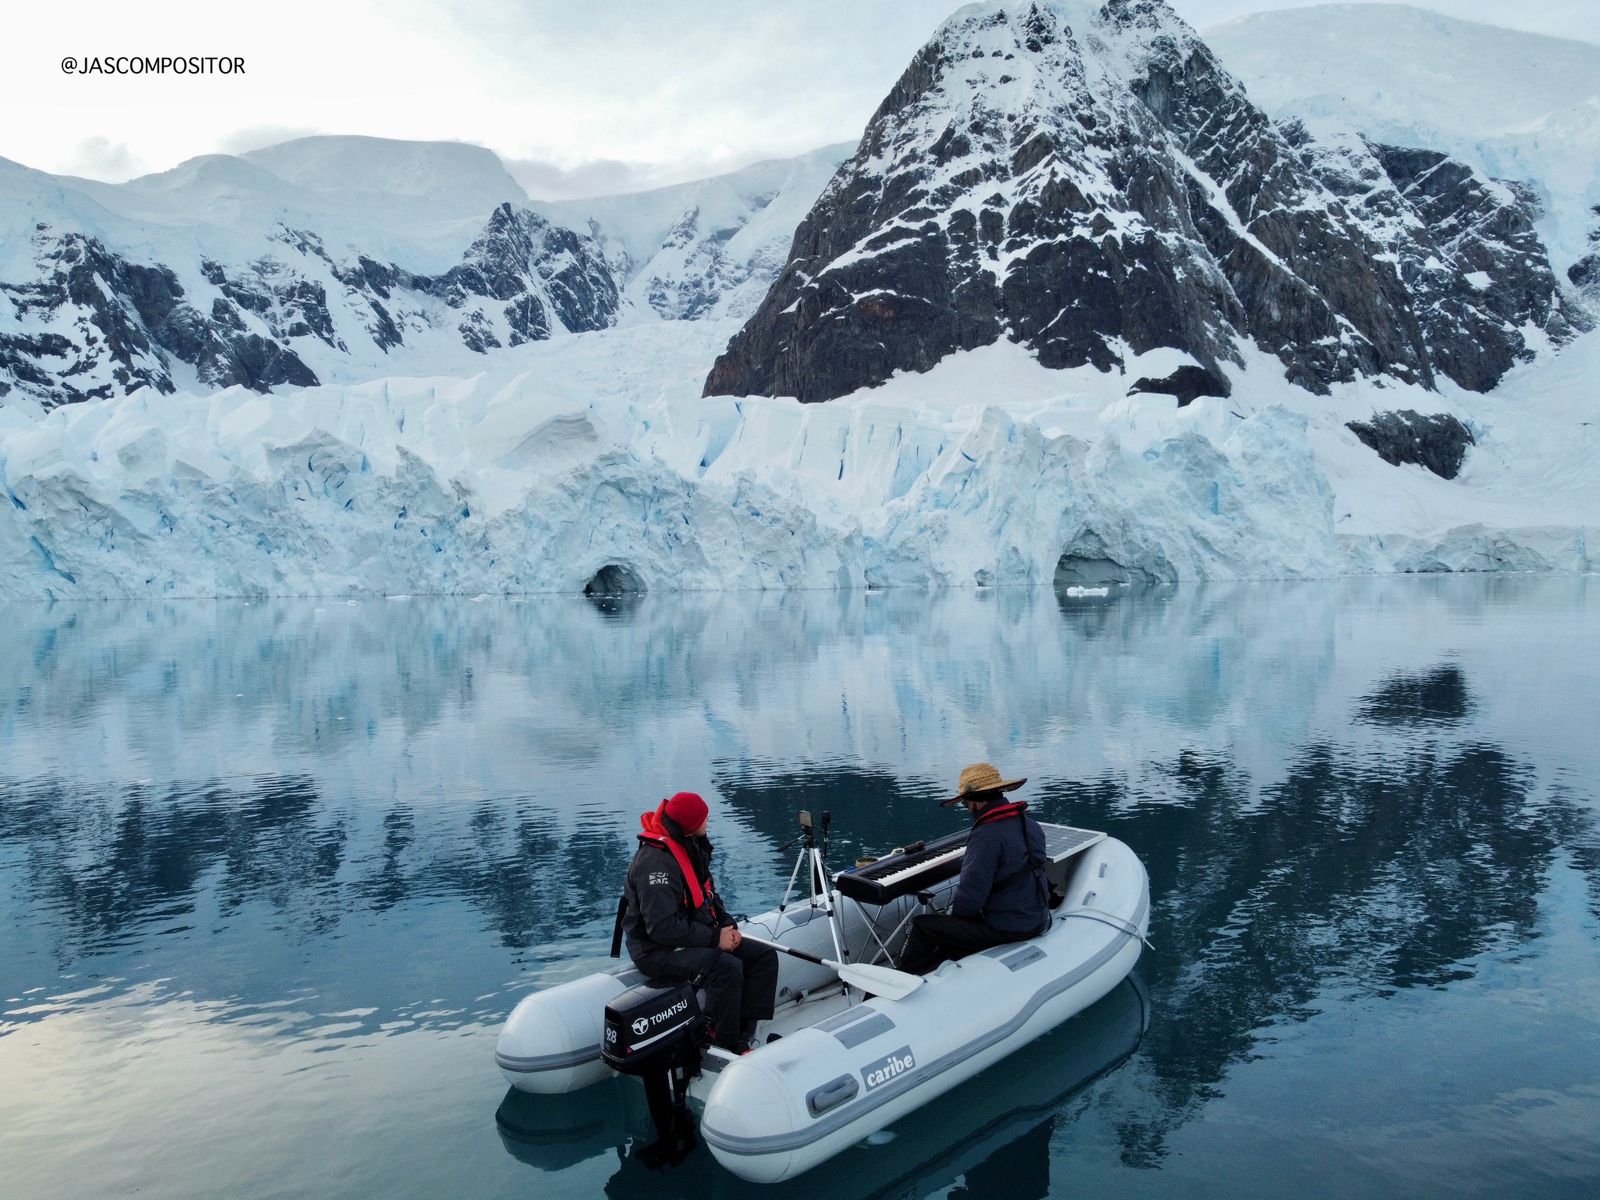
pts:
[839, 1065]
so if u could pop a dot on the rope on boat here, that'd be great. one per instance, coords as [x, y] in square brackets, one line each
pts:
[1111, 919]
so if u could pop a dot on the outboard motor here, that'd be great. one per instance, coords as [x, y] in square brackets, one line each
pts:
[655, 1032]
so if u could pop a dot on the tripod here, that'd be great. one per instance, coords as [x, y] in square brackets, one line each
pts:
[819, 882]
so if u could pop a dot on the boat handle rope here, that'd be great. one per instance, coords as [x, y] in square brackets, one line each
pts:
[1111, 919]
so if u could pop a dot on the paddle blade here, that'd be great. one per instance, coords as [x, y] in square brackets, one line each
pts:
[880, 981]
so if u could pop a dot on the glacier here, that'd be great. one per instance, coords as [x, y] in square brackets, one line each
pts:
[590, 461]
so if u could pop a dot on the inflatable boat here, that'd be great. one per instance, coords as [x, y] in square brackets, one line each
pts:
[1001, 1125]
[842, 1061]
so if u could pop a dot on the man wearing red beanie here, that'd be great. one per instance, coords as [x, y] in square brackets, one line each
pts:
[677, 928]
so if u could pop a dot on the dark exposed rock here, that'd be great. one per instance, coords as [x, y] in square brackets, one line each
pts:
[1438, 442]
[476, 334]
[1186, 383]
[1585, 273]
[20, 358]
[133, 320]
[261, 364]
[122, 324]
[706, 272]
[1473, 266]
[542, 272]
[1092, 218]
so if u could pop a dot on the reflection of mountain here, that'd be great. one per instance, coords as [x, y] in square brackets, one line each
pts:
[356, 694]
[1437, 697]
[381, 699]
[1354, 874]
[870, 808]
[106, 875]
[400, 807]
[1354, 877]
[261, 867]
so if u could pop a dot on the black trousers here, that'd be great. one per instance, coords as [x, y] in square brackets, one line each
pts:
[741, 984]
[935, 938]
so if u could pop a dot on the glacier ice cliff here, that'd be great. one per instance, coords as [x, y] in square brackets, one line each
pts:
[591, 462]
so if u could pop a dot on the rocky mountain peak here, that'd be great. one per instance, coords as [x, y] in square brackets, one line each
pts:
[1090, 182]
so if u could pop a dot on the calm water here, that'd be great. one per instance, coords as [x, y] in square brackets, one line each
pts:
[272, 875]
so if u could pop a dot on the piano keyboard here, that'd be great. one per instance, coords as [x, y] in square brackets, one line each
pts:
[921, 866]
[912, 870]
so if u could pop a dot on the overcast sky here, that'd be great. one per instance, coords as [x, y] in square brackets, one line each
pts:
[609, 95]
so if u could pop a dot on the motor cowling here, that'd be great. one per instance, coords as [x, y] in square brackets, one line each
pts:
[650, 1026]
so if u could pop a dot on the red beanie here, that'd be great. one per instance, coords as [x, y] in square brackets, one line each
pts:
[686, 810]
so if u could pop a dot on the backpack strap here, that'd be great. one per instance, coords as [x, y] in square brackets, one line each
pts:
[1032, 863]
[616, 929]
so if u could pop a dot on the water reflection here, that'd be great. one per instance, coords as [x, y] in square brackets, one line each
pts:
[1438, 697]
[330, 824]
[273, 860]
[1348, 878]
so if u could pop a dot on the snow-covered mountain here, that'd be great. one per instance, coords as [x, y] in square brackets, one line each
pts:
[1103, 212]
[224, 272]
[340, 259]
[1515, 105]
[1087, 180]
[705, 249]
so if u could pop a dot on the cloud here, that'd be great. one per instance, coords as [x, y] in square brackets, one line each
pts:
[1578, 19]
[543, 179]
[101, 158]
[256, 137]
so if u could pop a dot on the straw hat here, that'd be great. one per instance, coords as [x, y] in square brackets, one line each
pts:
[980, 777]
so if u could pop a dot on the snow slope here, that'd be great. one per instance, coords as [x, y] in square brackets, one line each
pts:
[708, 248]
[418, 202]
[1515, 105]
[582, 453]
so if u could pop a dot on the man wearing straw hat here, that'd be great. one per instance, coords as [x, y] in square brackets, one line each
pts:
[1002, 895]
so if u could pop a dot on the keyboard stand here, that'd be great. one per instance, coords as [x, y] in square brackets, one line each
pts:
[924, 906]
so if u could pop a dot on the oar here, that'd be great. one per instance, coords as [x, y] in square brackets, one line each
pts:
[880, 981]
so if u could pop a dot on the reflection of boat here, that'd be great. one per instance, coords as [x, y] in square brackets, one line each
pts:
[1000, 1127]
[557, 1132]
[848, 1066]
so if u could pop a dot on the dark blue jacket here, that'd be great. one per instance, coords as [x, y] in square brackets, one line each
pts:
[995, 884]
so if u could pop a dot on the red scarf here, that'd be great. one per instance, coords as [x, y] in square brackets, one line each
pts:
[656, 831]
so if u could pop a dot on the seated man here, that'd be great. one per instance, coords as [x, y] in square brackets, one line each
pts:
[677, 928]
[1002, 895]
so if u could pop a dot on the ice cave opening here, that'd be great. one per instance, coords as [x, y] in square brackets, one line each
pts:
[614, 579]
[1081, 570]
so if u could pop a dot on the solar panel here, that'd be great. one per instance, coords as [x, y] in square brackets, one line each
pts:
[1061, 842]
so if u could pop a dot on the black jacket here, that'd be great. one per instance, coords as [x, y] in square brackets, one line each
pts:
[996, 883]
[656, 914]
